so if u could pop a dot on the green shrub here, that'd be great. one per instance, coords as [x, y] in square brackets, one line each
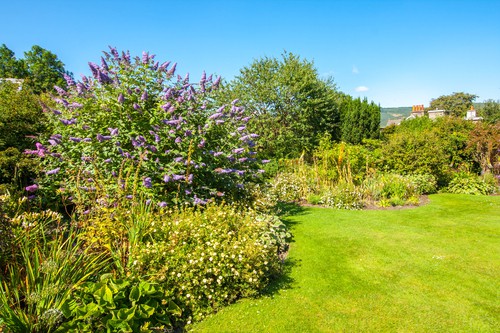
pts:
[424, 183]
[211, 257]
[393, 189]
[344, 196]
[467, 183]
[286, 187]
[116, 305]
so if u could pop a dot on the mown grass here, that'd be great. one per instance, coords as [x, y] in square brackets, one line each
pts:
[434, 268]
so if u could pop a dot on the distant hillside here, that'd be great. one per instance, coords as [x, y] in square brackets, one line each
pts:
[387, 114]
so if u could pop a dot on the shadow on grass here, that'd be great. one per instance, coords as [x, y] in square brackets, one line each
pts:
[283, 209]
[283, 281]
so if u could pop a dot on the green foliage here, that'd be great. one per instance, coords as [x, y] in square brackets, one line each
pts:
[10, 67]
[467, 183]
[211, 257]
[457, 103]
[21, 117]
[44, 69]
[50, 262]
[343, 196]
[118, 305]
[490, 111]
[425, 184]
[422, 146]
[292, 104]
[393, 189]
[359, 120]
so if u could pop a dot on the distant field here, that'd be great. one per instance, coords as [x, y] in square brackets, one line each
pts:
[387, 114]
[434, 268]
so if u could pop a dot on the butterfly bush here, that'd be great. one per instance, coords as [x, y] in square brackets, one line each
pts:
[135, 128]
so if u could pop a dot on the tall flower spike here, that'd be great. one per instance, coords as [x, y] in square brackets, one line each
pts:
[69, 80]
[94, 69]
[121, 99]
[104, 64]
[145, 57]
[171, 71]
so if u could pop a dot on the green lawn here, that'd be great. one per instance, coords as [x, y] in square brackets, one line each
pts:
[435, 268]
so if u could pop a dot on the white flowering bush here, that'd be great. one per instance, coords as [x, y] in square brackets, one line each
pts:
[211, 257]
[344, 196]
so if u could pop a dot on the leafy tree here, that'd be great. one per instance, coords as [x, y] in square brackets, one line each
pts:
[45, 70]
[485, 143]
[359, 120]
[10, 67]
[490, 111]
[21, 117]
[457, 103]
[293, 105]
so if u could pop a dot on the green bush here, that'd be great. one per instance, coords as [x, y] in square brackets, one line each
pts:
[343, 196]
[208, 258]
[424, 183]
[286, 187]
[467, 183]
[391, 189]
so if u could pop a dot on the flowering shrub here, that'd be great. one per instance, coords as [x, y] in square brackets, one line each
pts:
[286, 187]
[136, 128]
[343, 196]
[209, 258]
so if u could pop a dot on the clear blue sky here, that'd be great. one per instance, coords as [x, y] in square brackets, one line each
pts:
[396, 53]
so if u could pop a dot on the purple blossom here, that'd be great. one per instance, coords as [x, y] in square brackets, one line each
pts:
[104, 64]
[130, 196]
[147, 182]
[198, 201]
[102, 138]
[87, 140]
[60, 90]
[108, 160]
[75, 139]
[172, 122]
[144, 96]
[240, 172]
[85, 127]
[121, 99]
[94, 69]
[188, 133]
[53, 142]
[56, 112]
[164, 66]
[162, 204]
[241, 128]
[53, 172]
[61, 101]
[235, 101]
[166, 106]
[218, 153]
[67, 122]
[178, 177]
[178, 159]
[190, 178]
[136, 106]
[246, 119]
[31, 188]
[145, 57]
[80, 88]
[219, 121]
[243, 159]
[265, 161]
[216, 115]
[217, 82]
[113, 131]
[114, 52]
[85, 212]
[69, 79]
[202, 143]
[114, 174]
[178, 140]
[238, 150]
[75, 105]
[171, 71]
[167, 178]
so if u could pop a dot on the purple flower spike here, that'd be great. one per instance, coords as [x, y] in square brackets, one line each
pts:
[137, 106]
[144, 96]
[60, 90]
[162, 204]
[75, 139]
[147, 182]
[104, 65]
[241, 128]
[178, 140]
[190, 178]
[178, 177]
[94, 69]
[108, 160]
[217, 82]
[238, 150]
[121, 99]
[265, 161]
[31, 188]
[171, 71]
[53, 172]
[178, 159]
[167, 178]
[145, 57]
[69, 80]
[113, 131]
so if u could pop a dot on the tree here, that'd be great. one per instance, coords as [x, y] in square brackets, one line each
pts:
[490, 111]
[457, 103]
[45, 70]
[359, 120]
[294, 107]
[21, 117]
[10, 67]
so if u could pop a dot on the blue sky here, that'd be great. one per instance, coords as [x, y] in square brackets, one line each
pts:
[396, 53]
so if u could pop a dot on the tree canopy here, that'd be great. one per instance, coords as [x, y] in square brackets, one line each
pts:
[457, 103]
[10, 67]
[294, 106]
